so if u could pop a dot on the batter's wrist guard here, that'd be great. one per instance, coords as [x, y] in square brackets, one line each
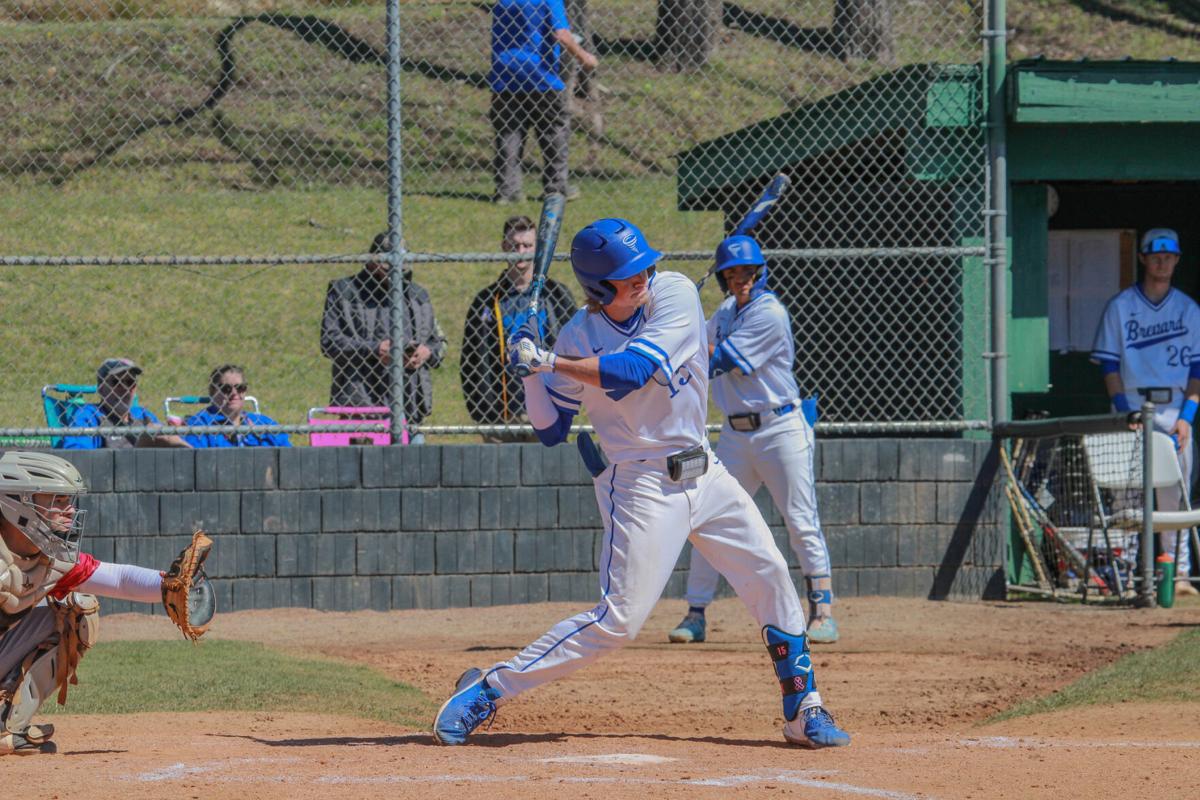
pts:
[793, 666]
[1188, 412]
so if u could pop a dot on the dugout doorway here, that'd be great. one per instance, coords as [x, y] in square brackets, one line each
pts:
[1075, 246]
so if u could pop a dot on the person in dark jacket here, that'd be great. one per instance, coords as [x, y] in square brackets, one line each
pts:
[494, 397]
[356, 335]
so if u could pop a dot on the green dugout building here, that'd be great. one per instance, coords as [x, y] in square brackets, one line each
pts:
[1097, 153]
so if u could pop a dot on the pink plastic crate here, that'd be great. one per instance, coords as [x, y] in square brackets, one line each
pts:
[350, 415]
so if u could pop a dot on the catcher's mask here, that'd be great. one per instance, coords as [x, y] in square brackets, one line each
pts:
[39, 496]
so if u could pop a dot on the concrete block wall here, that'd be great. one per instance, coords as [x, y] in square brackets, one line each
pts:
[461, 525]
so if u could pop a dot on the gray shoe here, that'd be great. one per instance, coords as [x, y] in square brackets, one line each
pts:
[691, 629]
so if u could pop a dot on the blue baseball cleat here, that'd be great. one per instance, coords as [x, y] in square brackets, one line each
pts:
[472, 703]
[691, 629]
[815, 728]
[823, 630]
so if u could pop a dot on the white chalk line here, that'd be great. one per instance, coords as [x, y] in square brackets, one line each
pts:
[174, 772]
[610, 758]
[216, 771]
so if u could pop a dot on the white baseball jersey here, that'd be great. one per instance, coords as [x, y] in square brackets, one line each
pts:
[666, 415]
[758, 337]
[1156, 344]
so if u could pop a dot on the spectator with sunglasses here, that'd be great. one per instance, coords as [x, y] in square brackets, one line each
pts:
[116, 387]
[227, 397]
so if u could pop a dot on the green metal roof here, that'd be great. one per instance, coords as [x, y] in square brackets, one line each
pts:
[1078, 92]
[913, 99]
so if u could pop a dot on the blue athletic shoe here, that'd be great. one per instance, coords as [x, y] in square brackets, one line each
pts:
[691, 629]
[470, 676]
[823, 630]
[466, 709]
[815, 728]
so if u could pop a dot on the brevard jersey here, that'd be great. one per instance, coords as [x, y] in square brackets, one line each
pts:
[758, 338]
[666, 415]
[1156, 344]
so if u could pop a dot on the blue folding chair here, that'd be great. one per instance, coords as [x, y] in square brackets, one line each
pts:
[60, 401]
[177, 417]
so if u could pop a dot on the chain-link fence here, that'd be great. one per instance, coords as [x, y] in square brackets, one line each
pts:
[231, 159]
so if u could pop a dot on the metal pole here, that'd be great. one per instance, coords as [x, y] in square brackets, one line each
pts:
[1145, 597]
[396, 250]
[995, 66]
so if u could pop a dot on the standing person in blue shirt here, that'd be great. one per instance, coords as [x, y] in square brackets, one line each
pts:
[116, 387]
[227, 394]
[527, 91]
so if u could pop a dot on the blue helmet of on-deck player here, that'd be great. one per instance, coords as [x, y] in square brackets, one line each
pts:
[738, 250]
[607, 250]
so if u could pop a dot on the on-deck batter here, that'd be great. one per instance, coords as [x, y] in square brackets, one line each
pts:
[637, 359]
[765, 437]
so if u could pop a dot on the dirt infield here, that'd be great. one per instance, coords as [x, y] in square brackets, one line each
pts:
[911, 681]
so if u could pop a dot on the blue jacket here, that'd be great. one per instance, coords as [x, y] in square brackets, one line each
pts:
[89, 415]
[210, 416]
[525, 52]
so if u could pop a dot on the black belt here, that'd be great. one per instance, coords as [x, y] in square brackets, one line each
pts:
[753, 421]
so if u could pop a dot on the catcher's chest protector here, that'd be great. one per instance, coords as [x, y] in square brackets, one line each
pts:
[24, 582]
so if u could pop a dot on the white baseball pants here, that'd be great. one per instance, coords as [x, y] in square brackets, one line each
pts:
[647, 517]
[779, 454]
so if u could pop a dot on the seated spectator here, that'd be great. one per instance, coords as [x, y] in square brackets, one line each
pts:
[227, 400]
[356, 336]
[493, 395]
[116, 386]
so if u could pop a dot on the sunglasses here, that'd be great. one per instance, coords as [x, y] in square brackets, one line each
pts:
[230, 388]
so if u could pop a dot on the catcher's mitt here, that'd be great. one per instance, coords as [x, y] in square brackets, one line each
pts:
[187, 595]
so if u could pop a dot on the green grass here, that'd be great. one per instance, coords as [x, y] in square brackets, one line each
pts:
[1168, 674]
[134, 677]
[179, 322]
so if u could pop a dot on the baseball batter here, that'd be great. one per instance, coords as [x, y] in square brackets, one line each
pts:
[766, 437]
[48, 608]
[1148, 343]
[637, 360]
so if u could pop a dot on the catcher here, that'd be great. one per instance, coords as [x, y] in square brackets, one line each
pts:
[48, 608]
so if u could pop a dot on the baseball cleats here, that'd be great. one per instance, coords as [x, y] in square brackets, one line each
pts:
[472, 702]
[1185, 586]
[815, 728]
[823, 630]
[35, 740]
[691, 629]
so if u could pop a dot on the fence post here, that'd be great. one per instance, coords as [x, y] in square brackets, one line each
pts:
[1146, 546]
[396, 249]
[995, 58]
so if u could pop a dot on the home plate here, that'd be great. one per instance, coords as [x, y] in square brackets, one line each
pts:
[609, 758]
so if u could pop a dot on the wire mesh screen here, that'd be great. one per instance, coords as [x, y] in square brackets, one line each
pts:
[257, 132]
[1077, 505]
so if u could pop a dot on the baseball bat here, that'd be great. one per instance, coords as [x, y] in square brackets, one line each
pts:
[761, 207]
[548, 229]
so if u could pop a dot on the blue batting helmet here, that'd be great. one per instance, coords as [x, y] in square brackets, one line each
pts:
[738, 250]
[607, 250]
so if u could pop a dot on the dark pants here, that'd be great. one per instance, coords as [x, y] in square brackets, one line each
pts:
[512, 115]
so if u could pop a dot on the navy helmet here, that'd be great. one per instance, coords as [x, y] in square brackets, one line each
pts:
[607, 250]
[736, 251]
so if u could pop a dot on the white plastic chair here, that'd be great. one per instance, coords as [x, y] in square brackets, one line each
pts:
[1115, 461]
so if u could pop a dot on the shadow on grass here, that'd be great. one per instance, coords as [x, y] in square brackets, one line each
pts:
[1187, 9]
